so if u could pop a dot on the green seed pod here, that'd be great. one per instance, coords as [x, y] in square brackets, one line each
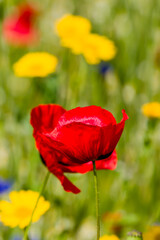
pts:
[134, 235]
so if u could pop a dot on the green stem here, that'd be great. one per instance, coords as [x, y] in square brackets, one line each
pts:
[97, 199]
[40, 193]
[28, 238]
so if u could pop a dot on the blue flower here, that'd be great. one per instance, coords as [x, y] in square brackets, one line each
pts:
[104, 67]
[5, 185]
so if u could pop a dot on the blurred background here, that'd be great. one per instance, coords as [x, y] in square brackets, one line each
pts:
[129, 196]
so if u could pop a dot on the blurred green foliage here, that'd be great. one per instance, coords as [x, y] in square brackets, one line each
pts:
[133, 79]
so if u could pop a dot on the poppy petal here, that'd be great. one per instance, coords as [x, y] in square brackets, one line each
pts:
[67, 185]
[79, 141]
[18, 28]
[44, 118]
[92, 115]
[50, 157]
[95, 141]
[108, 163]
[111, 135]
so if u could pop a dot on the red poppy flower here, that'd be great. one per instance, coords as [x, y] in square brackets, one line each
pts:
[69, 141]
[18, 28]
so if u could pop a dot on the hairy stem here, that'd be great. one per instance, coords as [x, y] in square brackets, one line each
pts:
[40, 193]
[97, 199]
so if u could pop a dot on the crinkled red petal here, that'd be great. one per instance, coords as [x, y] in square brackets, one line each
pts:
[44, 118]
[92, 115]
[111, 135]
[80, 142]
[108, 163]
[50, 157]
[83, 143]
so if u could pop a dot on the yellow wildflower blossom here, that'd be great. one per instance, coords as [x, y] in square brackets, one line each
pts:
[152, 234]
[96, 48]
[71, 27]
[151, 109]
[109, 237]
[74, 32]
[35, 64]
[18, 212]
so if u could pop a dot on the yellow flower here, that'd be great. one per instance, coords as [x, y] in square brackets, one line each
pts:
[74, 32]
[152, 234]
[70, 28]
[96, 48]
[35, 64]
[151, 110]
[109, 237]
[18, 212]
